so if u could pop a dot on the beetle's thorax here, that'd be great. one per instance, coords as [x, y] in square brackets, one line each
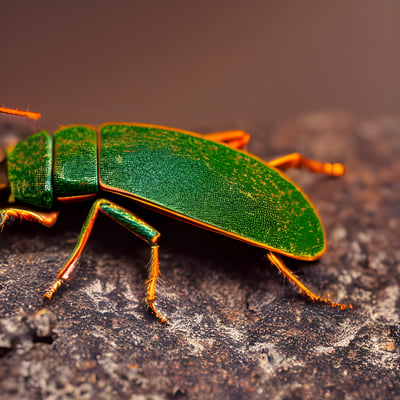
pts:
[40, 170]
[75, 163]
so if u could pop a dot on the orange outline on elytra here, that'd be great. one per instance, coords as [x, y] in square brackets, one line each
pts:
[198, 223]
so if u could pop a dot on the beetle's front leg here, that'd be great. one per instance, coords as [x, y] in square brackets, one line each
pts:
[134, 224]
[10, 215]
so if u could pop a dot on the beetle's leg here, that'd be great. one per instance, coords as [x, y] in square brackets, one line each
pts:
[10, 215]
[236, 139]
[133, 224]
[296, 160]
[275, 260]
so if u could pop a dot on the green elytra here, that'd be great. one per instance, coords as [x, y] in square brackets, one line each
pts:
[176, 172]
[211, 184]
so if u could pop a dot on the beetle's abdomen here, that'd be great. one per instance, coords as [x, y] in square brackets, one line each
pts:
[210, 185]
[75, 164]
[29, 166]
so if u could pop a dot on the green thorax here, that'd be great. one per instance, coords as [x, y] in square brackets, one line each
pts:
[209, 184]
[29, 166]
[75, 163]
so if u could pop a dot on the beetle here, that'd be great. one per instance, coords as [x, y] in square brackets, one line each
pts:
[208, 180]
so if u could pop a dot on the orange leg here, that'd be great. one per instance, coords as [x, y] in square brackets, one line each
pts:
[296, 160]
[236, 139]
[10, 215]
[275, 260]
[134, 224]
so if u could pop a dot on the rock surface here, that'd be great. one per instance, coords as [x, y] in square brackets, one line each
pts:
[236, 329]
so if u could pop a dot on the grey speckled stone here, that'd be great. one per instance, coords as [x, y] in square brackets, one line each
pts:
[236, 328]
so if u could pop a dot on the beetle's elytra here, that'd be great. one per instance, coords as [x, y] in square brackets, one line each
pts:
[206, 180]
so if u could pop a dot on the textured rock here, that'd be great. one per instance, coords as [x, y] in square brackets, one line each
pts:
[236, 329]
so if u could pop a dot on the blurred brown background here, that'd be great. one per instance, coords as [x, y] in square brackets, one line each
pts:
[195, 64]
[237, 330]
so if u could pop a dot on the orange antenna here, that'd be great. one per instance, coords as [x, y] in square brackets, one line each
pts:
[22, 113]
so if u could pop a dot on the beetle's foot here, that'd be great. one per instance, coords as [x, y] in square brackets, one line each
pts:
[331, 303]
[333, 169]
[53, 288]
[153, 310]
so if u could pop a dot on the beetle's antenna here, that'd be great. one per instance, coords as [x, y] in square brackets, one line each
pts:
[21, 113]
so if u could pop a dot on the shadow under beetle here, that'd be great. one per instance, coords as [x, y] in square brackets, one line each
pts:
[205, 180]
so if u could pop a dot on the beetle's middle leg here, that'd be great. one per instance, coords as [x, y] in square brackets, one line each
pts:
[275, 260]
[296, 160]
[236, 139]
[134, 224]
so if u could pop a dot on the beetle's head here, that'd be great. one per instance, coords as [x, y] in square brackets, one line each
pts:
[5, 143]
[13, 129]
[4, 184]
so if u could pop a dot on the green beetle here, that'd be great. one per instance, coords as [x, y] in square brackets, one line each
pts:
[205, 180]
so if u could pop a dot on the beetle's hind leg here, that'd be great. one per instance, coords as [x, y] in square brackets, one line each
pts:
[275, 260]
[296, 160]
[237, 139]
[134, 224]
